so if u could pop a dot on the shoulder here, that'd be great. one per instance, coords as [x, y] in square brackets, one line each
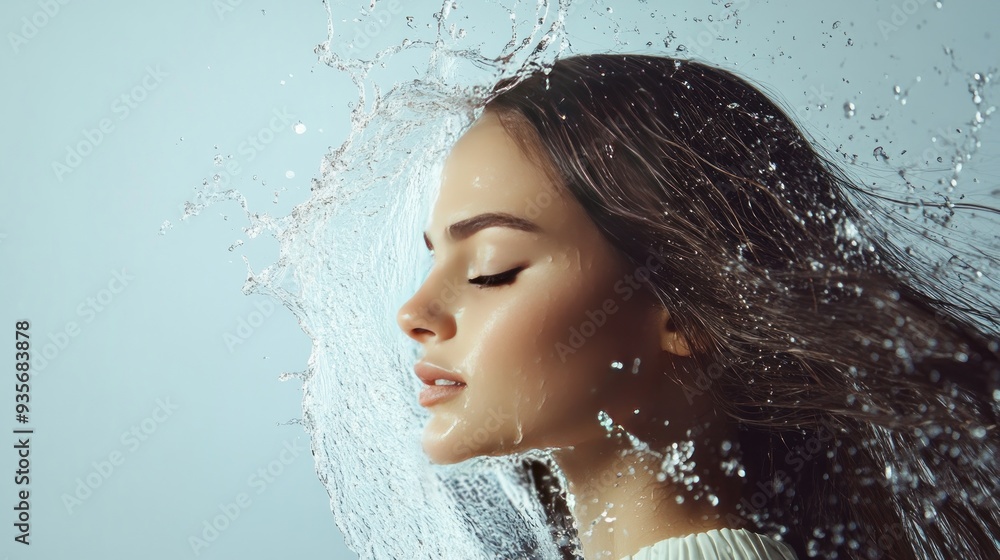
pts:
[724, 544]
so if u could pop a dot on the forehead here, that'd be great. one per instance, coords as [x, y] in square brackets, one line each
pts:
[488, 171]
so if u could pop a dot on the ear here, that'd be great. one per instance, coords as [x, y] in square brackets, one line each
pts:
[671, 339]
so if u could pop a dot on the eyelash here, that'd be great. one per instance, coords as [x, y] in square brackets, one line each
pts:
[495, 280]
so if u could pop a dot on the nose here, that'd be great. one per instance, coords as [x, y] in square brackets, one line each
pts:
[426, 316]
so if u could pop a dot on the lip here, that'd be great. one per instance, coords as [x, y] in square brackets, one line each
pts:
[433, 394]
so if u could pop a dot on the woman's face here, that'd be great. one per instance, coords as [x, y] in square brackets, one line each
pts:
[528, 305]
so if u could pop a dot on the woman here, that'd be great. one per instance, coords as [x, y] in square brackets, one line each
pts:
[641, 266]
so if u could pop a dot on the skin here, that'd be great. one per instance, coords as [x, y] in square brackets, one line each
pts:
[528, 385]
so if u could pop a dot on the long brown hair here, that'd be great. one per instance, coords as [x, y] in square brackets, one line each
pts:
[867, 402]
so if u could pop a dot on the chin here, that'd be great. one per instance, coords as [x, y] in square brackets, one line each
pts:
[439, 458]
[444, 450]
[452, 448]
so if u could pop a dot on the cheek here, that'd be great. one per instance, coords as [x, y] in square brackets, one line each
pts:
[592, 342]
[509, 358]
[548, 354]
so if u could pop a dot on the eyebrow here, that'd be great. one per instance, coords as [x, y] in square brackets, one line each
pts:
[464, 229]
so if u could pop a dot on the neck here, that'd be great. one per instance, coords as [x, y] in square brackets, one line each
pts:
[626, 494]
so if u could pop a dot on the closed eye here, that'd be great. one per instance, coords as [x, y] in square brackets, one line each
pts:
[496, 279]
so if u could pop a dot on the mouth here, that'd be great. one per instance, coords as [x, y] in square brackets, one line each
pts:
[441, 391]
[440, 383]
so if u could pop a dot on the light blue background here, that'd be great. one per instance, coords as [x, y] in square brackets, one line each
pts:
[164, 336]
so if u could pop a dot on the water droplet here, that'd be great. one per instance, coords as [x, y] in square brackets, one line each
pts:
[605, 420]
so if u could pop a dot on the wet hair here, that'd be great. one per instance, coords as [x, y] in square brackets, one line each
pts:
[865, 388]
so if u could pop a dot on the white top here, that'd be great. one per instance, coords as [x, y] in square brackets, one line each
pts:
[725, 544]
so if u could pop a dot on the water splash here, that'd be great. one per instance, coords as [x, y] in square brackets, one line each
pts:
[343, 252]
